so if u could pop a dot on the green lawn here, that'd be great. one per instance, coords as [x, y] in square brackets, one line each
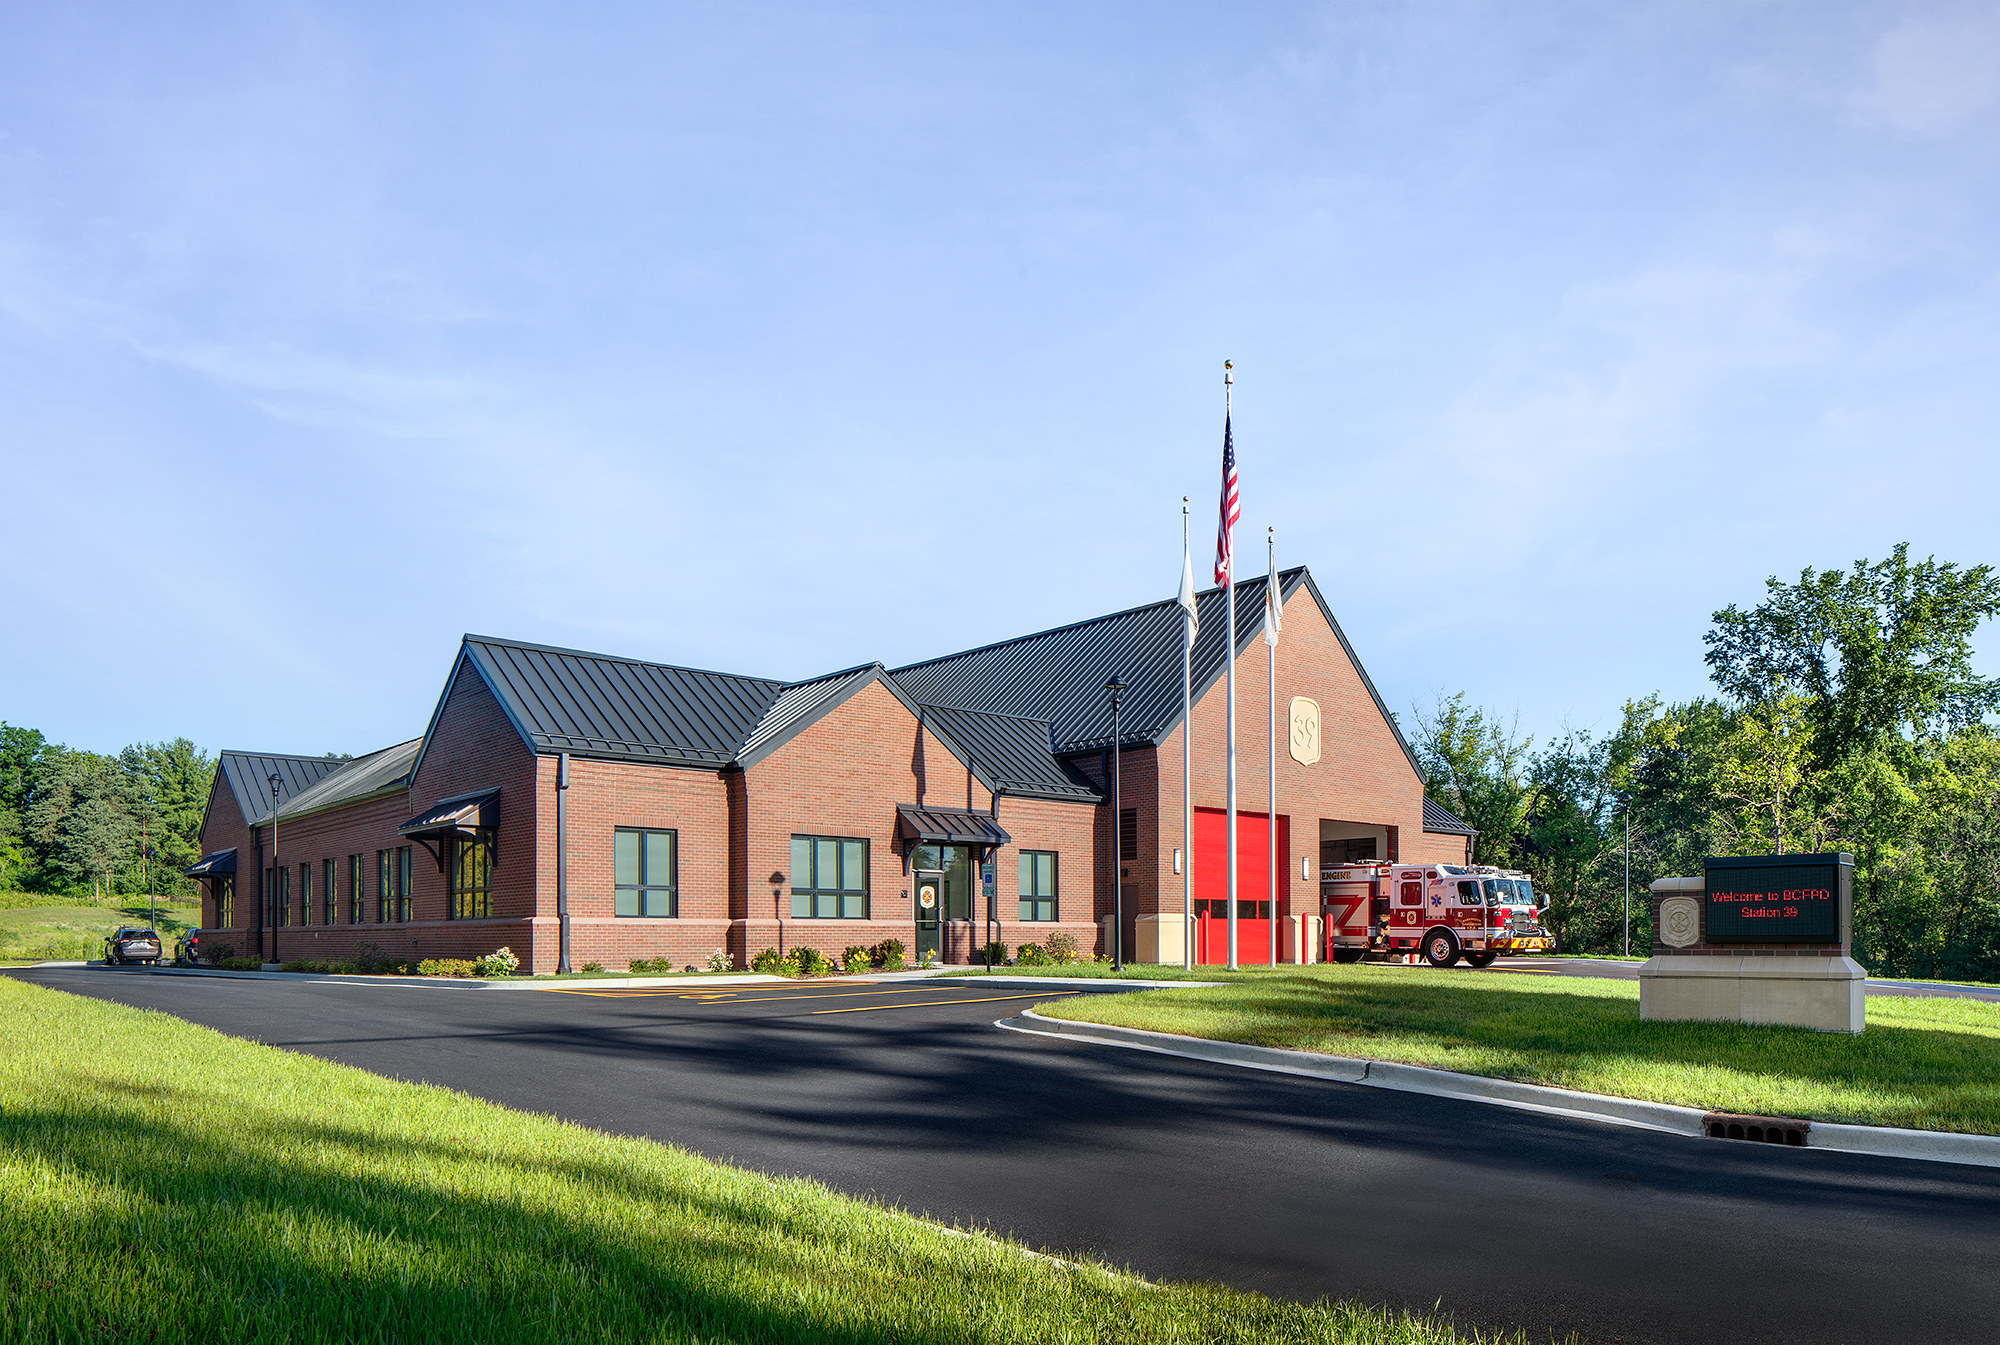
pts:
[162, 1182]
[67, 931]
[1931, 1064]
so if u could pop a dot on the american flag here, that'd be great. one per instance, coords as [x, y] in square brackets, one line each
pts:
[1232, 507]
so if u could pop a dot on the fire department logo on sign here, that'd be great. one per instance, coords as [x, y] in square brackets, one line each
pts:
[1305, 730]
[1680, 922]
[927, 896]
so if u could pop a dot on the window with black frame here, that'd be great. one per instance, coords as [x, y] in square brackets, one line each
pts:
[305, 894]
[1038, 884]
[829, 878]
[471, 878]
[645, 873]
[383, 887]
[354, 893]
[405, 880]
[225, 901]
[329, 874]
[281, 890]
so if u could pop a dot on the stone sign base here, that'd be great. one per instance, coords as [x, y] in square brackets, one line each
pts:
[1826, 993]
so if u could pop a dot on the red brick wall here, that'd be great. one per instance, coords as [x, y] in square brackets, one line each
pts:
[1362, 775]
[474, 746]
[222, 827]
[338, 834]
[606, 795]
[844, 776]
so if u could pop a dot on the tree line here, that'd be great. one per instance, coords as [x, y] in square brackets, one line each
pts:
[81, 823]
[1846, 717]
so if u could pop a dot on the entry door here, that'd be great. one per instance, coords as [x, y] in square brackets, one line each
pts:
[930, 904]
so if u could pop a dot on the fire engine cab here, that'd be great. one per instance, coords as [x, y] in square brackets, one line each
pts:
[1444, 911]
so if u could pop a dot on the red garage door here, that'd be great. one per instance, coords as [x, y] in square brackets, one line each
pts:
[1254, 925]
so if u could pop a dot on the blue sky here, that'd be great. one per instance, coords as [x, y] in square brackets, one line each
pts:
[778, 338]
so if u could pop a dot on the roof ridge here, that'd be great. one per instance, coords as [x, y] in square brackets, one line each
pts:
[997, 714]
[1088, 621]
[470, 638]
[284, 756]
[828, 677]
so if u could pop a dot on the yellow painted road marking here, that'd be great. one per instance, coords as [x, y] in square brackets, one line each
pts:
[748, 999]
[1530, 971]
[922, 1004]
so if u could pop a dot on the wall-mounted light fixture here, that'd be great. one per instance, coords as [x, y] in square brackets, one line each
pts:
[1177, 859]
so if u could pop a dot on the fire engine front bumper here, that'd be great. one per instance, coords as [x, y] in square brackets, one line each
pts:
[1529, 944]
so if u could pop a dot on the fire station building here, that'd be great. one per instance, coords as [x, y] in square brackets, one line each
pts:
[706, 811]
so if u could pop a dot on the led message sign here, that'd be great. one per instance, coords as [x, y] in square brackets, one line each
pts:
[1777, 898]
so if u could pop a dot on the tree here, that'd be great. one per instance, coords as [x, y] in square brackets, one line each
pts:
[81, 818]
[1884, 648]
[173, 781]
[1476, 769]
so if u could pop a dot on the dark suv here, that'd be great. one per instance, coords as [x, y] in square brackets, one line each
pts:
[133, 943]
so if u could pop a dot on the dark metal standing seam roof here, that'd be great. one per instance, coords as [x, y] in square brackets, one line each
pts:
[604, 706]
[1060, 674]
[380, 770]
[249, 777]
[1012, 753]
[1441, 819]
[797, 706]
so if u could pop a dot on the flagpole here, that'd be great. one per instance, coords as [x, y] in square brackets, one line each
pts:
[1229, 660]
[1271, 650]
[1187, 757]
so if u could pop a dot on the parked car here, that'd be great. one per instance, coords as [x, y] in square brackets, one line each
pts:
[188, 947]
[132, 943]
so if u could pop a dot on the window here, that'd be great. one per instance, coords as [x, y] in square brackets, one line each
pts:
[354, 889]
[1128, 834]
[471, 878]
[1038, 884]
[392, 884]
[330, 890]
[305, 894]
[281, 892]
[829, 878]
[1468, 894]
[1412, 894]
[225, 901]
[643, 872]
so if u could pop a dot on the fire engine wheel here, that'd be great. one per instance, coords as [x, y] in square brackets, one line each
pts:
[1441, 949]
[1482, 959]
[1348, 954]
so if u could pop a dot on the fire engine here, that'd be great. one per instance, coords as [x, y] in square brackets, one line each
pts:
[1444, 911]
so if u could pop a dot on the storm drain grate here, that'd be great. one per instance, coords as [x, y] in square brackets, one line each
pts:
[1722, 1125]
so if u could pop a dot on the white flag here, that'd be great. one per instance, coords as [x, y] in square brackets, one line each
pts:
[1187, 593]
[1274, 605]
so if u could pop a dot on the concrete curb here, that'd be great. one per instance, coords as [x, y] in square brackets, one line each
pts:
[1883, 1141]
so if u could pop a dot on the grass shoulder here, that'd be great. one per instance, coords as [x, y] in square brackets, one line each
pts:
[59, 929]
[192, 1186]
[1923, 1063]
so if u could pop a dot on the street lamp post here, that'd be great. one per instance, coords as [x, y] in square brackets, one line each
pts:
[277, 875]
[1116, 686]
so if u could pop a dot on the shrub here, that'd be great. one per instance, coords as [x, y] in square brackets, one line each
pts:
[368, 958]
[500, 962]
[812, 962]
[856, 959]
[889, 953]
[320, 966]
[994, 955]
[720, 960]
[219, 953]
[769, 963]
[592, 969]
[238, 963]
[447, 966]
[1060, 947]
[652, 966]
[1029, 955]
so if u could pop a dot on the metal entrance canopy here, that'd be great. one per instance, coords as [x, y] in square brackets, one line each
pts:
[222, 861]
[948, 826]
[462, 815]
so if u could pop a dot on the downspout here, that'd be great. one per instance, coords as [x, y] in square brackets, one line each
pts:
[562, 865]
